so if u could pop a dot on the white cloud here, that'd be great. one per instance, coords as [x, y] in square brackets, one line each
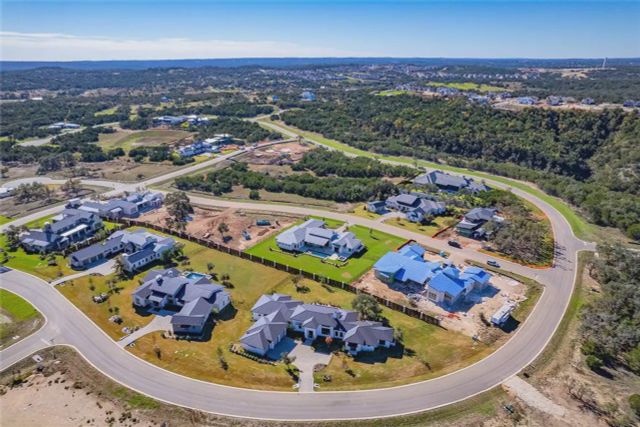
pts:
[15, 46]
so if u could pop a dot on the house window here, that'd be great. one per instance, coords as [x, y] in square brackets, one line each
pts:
[325, 331]
[381, 342]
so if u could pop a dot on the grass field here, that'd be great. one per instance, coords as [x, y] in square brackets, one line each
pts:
[22, 318]
[580, 227]
[377, 244]
[438, 224]
[127, 140]
[16, 307]
[392, 92]
[5, 219]
[470, 86]
[106, 112]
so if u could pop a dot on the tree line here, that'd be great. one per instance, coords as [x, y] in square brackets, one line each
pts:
[588, 159]
[339, 189]
[324, 162]
[611, 323]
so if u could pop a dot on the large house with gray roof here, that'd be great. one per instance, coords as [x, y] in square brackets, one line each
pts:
[139, 248]
[68, 227]
[128, 206]
[416, 207]
[313, 237]
[449, 183]
[276, 313]
[193, 298]
[472, 224]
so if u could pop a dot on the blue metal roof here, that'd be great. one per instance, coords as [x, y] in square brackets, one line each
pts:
[405, 268]
[443, 282]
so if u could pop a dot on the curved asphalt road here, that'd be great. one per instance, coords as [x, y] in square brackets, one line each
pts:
[67, 325]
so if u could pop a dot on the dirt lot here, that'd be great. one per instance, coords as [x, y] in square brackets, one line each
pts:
[205, 223]
[10, 207]
[287, 153]
[123, 169]
[464, 317]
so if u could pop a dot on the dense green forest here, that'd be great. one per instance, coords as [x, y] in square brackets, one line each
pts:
[338, 189]
[25, 119]
[240, 129]
[591, 160]
[611, 324]
[323, 162]
[523, 235]
[60, 154]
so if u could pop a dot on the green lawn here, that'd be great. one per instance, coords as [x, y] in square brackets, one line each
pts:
[127, 140]
[392, 92]
[16, 307]
[377, 244]
[106, 112]
[438, 224]
[5, 219]
[579, 226]
[20, 318]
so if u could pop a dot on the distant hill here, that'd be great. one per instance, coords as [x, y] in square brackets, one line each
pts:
[297, 62]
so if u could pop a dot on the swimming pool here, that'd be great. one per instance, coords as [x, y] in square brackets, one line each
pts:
[194, 275]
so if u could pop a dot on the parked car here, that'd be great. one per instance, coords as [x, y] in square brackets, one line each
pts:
[454, 243]
[493, 263]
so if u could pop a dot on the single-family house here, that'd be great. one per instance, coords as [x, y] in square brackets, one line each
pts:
[169, 120]
[130, 205]
[70, 226]
[377, 206]
[407, 266]
[450, 285]
[312, 236]
[139, 248]
[415, 208]
[473, 221]
[527, 100]
[313, 321]
[554, 100]
[192, 297]
[449, 183]
[195, 149]
[64, 125]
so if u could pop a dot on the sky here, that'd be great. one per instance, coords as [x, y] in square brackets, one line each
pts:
[140, 29]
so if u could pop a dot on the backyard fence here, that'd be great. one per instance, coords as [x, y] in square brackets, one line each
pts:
[409, 311]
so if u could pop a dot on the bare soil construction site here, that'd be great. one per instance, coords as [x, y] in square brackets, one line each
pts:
[241, 232]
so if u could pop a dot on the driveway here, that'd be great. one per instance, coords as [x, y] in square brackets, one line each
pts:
[158, 323]
[103, 269]
[306, 358]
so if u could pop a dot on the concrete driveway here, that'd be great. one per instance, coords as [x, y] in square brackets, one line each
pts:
[103, 269]
[306, 358]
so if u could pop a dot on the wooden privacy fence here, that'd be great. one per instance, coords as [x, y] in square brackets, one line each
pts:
[409, 311]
